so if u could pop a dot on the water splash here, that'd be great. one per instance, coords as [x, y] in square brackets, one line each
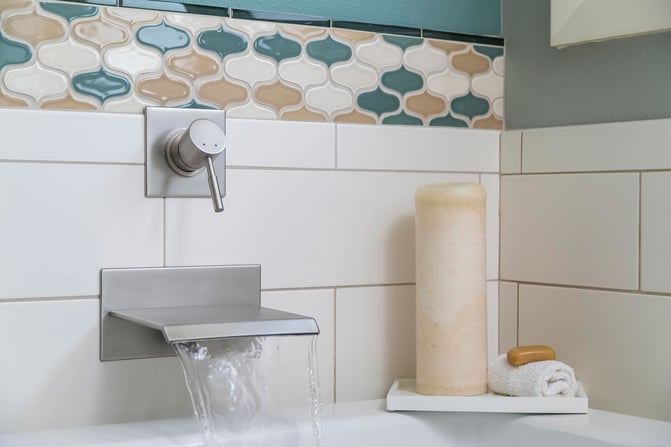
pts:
[237, 385]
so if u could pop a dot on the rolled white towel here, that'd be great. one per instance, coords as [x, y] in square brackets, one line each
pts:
[547, 378]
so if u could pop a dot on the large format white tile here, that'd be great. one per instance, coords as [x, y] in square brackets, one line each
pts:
[417, 148]
[655, 232]
[306, 228]
[511, 152]
[52, 376]
[320, 305]
[575, 229]
[272, 143]
[507, 316]
[62, 223]
[375, 340]
[71, 136]
[618, 344]
[491, 184]
[598, 147]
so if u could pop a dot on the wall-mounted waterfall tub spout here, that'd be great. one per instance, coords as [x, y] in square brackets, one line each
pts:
[144, 310]
[185, 149]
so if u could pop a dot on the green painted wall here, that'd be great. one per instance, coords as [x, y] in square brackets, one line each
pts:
[480, 17]
[616, 80]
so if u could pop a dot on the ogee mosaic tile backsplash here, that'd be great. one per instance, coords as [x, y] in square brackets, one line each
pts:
[82, 57]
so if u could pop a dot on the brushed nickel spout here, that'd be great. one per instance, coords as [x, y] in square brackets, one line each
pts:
[144, 310]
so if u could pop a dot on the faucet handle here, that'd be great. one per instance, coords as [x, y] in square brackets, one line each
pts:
[191, 151]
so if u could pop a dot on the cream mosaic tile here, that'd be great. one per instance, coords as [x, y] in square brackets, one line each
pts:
[499, 66]
[130, 104]
[251, 28]
[356, 76]
[425, 59]
[133, 59]
[489, 85]
[497, 107]
[69, 57]
[448, 84]
[329, 98]
[194, 23]
[133, 16]
[303, 33]
[36, 82]
[251, 69]
[380, 54]
[251, 110]
[303, 72]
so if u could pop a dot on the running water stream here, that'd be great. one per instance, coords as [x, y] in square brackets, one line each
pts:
[240, 392]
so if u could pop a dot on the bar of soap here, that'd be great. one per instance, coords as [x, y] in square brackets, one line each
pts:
[532, 353]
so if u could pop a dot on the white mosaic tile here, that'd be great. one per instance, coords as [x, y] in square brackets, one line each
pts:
[356, 76]
[448, 84]
[131, 104]
[380, 54]
[250, 68]
[303, 72]
[194, 23]
[497, 106]
[36, 82]
[133, 59]
[132, 16]
[426, 59]
[329, 98]
[251, 28]
[489, 85]
[69, 57]
[251, 110]
[499, 66]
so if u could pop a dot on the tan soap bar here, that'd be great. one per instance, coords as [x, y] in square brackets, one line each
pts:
[532, 353]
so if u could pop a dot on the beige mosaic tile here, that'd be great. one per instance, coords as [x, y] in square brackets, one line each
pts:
[8, 101]
[100, 33]
[193, 65]
[7, 5]
[490, 122]
[355, 117]
[470, 62]
[278, 95]
[447, 46]
[425, 104]
[163, 89]
[352, 37]
[222, 93]
[303, 114]
[67, 103]
[33, 28]
[304, 33]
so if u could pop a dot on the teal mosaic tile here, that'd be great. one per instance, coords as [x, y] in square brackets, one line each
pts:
[470, 105]
[403, 119]
[403, 42]
[194, 105]
[329, 51]
[490, 52]
[101, 84]
[222, 42]
[70, 12]
[278, 47]
[448, 121]
[12, 52]
[378, 102]
[163, 37]
[402, 80]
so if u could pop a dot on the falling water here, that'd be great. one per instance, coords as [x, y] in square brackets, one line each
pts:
[240, 392]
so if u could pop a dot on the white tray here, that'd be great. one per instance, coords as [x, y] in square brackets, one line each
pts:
[402, 396]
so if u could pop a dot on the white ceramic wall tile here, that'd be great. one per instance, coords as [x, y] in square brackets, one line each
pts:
[375, 340]
[52, 376]
[655, 232]
[491, 184]
[417, 149]
[492, 320]
[599, 147]
[71, 136]
[318, 304]
[65, 222]
[575, 229]
[507, 316]
[306, 228]
[511, 152]
[288, 144]
[618, 344]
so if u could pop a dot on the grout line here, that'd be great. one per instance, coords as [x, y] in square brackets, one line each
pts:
[614, 171]
[65, 162]
[165, 236]
[336, 287]
[517, 337]
[521, 151]
[593, 288]
[640, 228]
[335, 130]
[49, 298]
[335, 357]
[399, 171]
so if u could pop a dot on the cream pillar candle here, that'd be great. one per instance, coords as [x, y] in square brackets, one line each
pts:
[451, 289]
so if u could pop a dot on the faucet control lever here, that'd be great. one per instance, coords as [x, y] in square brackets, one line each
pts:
[191, 151]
